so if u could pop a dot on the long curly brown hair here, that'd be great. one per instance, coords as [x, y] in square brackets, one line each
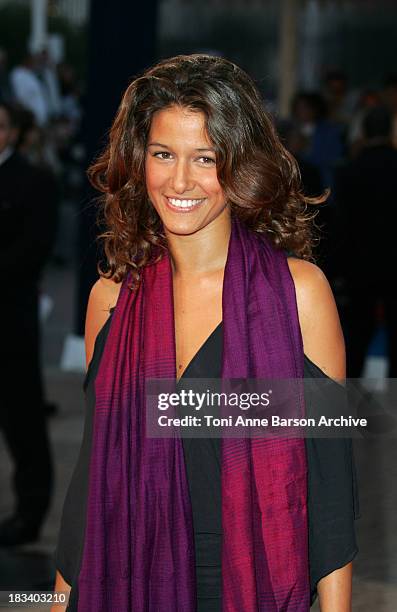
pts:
[260, 179]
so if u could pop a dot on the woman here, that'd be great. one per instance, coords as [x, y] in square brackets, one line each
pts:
[202, 203]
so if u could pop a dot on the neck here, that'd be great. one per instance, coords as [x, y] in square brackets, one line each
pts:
[203, 252]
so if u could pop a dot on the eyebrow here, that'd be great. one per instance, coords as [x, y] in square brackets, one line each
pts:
[200, 149]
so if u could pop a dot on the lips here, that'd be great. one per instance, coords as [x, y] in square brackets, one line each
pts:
[184, 204]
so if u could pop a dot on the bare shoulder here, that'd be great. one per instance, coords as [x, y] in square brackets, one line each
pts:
[105, 292]
[103, 296]
[313, 292]
[318, 316]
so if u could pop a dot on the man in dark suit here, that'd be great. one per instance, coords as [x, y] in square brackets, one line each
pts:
[27, 226]
[366, 191]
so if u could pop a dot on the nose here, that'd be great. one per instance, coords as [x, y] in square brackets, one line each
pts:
[181, 179]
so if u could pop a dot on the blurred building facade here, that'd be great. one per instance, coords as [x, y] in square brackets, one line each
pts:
[74, 10]
[356, 35]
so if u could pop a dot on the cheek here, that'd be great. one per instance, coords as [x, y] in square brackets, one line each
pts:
[213, 186]
[155, 176]
[207, 180]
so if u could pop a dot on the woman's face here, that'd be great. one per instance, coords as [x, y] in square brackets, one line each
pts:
[181, 178]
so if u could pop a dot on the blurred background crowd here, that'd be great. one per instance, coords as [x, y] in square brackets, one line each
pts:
[328, 74]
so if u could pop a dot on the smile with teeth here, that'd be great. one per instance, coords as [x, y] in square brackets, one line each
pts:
[184, 203]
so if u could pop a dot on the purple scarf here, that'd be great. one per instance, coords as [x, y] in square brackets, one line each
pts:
[139, 544]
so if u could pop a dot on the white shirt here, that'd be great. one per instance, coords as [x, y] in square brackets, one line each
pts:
[50, 82]
[29, 92]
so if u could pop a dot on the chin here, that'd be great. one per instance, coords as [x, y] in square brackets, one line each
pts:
[181, 229]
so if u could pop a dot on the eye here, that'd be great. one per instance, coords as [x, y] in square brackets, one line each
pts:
[162, 155]
[208, 161]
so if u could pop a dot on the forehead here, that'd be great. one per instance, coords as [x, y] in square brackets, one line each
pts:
[176, 125]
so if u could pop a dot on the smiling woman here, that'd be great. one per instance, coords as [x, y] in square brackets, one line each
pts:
[181, 177]
[234, 139]
[207, 232]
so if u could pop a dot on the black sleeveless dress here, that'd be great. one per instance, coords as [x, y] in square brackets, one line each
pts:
[332, 492]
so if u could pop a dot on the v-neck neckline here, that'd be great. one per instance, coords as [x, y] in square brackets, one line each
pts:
[183, 375]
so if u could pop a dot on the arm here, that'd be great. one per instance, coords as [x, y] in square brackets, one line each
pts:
[335, 590]
[323, 343]
[60, 587]
[103, 296]
[321, 331]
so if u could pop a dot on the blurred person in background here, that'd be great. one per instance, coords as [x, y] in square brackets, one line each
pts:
[340, 101]
[48, 75]
[36, 145]
[32, 147]
[324, 145]
[317, 143]
[28, 90]
[68, 134]
[366, 192]
[296, 142]
[27, 227]
[70, 96]
[368, 99]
